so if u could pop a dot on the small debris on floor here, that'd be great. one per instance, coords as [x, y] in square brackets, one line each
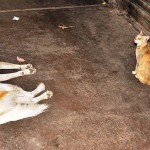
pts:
[20, 59]
[65, 27]
[111, 11]
[104, 3]
[15, 18]
[130, 24]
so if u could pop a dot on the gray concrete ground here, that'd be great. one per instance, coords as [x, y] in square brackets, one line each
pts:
[97, 104]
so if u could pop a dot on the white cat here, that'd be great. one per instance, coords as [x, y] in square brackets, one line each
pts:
[15, 103]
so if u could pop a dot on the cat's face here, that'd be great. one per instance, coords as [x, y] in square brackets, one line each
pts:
[140, 39]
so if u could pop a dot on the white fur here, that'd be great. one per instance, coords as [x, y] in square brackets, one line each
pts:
[22, 111]
[17, 103]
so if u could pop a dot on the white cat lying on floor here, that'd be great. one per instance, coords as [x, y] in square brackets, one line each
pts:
[15, 103]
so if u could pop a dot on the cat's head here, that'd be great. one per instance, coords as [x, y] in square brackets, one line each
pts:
[141, 39]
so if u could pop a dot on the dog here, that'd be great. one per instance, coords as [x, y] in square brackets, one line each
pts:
[15, 103]
[142, 69]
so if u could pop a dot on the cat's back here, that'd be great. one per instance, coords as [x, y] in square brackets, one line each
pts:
[145, 59]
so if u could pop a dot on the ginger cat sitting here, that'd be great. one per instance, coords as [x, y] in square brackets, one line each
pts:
[142, 69]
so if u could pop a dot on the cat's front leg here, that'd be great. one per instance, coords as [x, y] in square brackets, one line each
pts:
[134, 72]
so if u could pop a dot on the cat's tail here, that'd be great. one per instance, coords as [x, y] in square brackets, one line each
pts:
[22, 111]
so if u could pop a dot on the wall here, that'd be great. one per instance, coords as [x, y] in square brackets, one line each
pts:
[139, 10]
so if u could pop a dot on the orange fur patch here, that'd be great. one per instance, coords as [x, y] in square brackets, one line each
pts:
[2, 94]
[143, 64]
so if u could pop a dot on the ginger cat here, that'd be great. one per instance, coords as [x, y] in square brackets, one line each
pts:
[142, 69]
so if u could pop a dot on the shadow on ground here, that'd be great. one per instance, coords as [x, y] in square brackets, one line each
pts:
[97, 104]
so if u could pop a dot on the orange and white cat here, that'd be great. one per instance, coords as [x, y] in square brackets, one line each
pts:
[142, 69]
[15, 103]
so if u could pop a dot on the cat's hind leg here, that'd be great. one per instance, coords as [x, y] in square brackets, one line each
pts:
[46, 95]
[5, 65]
[29, 97]
[40, 88]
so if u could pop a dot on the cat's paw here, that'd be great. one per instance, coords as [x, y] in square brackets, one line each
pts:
[133, 72]
[48, 94]
[26, 66]
[28, 71]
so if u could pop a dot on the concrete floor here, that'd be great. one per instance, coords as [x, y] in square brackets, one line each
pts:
[97, 104]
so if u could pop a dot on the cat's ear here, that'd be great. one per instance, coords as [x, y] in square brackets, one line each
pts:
[147, 37]
[141, 32]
